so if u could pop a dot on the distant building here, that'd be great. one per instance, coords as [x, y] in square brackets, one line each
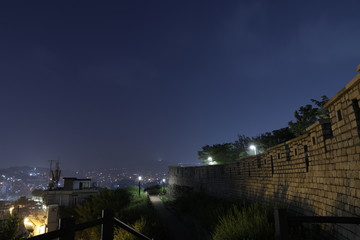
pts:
[74, 191]
[53, 216]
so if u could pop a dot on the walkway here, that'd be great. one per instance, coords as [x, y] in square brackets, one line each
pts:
[177, 229]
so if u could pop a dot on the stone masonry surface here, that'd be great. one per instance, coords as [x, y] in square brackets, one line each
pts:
[316, 174]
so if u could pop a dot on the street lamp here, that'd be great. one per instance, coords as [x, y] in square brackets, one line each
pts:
[211, 161]
[163, 182]
[139, 184]
[253, 147]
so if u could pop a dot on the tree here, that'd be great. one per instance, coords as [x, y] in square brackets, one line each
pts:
[241, 146]
[22, 201]
[90, 209]
[230, 152]
[270, 139]
[38, 192]
[220, 153]
[9, 228]
[115, 200]
[308, 115]
[323, 113]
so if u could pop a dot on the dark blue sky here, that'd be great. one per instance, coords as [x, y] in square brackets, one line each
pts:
[129, 83]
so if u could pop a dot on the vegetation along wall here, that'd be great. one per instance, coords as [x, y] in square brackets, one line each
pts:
[314, 174]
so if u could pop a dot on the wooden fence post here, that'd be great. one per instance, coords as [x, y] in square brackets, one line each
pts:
[67, 226]
[281, 224]
[107, 228]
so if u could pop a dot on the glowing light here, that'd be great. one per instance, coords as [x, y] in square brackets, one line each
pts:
[11, 210]
[253, 147]
[35, 225]
[28, 223]
[42, 229]
[211, 161]
[140, 178]
[164, 180]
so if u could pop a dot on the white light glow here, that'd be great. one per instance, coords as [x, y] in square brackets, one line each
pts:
[253, 147]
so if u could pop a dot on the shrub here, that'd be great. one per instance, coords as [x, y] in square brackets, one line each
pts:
[250, 223]
[139, 225]
[128, 207]
[9, 228]
[204, 207]
[153, 190]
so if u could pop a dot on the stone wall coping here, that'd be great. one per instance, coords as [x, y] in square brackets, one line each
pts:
[314, 125]
[295, 139]
[344, 90]
[317, 123]
[185, 167]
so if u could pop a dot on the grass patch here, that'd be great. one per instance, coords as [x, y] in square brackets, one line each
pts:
[226, 219]
[251, 223]
[128, 206]
[167, 200]
[204, 207]
[140, 225]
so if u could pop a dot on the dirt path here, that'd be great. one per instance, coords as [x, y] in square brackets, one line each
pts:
[177, 230]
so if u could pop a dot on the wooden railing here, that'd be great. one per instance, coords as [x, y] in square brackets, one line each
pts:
[108, 221]
[282, 221]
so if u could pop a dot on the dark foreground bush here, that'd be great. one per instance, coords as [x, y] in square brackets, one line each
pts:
[250, 223]
[228, 220]
[153, 190]
[128, 206]
[204, 207]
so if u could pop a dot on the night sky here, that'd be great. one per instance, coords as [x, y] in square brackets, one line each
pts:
[146, 84]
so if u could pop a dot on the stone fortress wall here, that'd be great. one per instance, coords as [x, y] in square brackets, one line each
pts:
[317, 174]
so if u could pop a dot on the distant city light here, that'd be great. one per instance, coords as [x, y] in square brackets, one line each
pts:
[13, 186]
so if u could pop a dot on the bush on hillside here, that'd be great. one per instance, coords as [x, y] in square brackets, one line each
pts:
[128, 206]
[153, 190]
[251, 223]
[140, 226]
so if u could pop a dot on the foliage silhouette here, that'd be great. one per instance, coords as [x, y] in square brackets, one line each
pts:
[308, 115]
[9, 228]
